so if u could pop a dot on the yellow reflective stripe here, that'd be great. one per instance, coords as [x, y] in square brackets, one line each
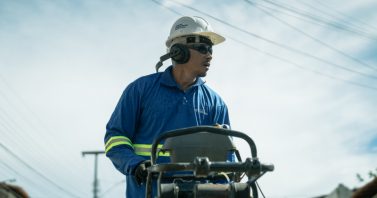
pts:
[117, 140]
[145, 150]
[147, 146]
[165, 154]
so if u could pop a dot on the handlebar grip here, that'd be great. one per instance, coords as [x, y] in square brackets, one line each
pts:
[267, 167]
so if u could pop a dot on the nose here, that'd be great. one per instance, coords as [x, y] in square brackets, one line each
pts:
[208, 56]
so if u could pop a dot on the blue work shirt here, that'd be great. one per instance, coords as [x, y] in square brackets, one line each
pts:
[149, 106]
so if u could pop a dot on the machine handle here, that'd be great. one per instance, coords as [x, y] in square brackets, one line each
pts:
[209, 129]
[202, 166]
[267, 167]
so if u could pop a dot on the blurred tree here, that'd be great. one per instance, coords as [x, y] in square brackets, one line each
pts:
[371, 174]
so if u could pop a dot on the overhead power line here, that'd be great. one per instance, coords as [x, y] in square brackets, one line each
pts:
[311, 16]
[112, 187]
[286, 47]
[166, 7]
[15, 172]
[28, 120]
[338, 16]
[20, 133]
[37, 172]
[311, 37]
[302, 67]
[342, 14]
[277, 57]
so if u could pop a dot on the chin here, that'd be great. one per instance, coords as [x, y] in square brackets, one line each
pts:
[202, 74]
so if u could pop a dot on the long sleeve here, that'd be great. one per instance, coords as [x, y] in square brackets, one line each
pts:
[120, 131]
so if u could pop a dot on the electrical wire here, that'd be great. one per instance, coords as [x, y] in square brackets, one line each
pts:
[44, 129]
[35, 182]
[291, 49]
[31, 181]
[338, 16]
[312, 37]
[166, 7]
[286, 47]
[112, 187]
[13, 138]
[302, 18]
[332, 11]
[319, 19]
[260, 190]
[302, 67]
[28, 180]
[7, 125]
[51, 152]
[37, 172]
[280, 58]
[270, 54]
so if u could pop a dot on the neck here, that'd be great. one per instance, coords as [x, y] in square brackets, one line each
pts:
[184, 78]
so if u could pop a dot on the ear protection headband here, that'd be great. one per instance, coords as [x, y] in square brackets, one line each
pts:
[178, 52]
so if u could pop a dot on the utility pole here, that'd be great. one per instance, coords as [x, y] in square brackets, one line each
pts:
[95, 182]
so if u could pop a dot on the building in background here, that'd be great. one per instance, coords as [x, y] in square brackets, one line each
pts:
[369, 190]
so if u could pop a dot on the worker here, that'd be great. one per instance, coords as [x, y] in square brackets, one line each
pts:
[175, 98]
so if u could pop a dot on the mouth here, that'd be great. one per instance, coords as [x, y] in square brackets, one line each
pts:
[206, 64]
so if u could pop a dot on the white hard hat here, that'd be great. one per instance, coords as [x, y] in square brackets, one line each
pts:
[193, 26]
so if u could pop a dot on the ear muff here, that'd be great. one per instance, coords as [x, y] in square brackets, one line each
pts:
[180, 53]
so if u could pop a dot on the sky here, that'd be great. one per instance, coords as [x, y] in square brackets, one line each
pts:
[299, 77]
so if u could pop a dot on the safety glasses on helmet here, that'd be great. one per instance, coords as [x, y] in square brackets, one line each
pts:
[202, 48]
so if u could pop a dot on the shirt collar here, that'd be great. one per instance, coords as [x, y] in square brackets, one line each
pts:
[168, 79]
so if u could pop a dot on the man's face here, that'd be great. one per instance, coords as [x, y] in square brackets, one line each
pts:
[200, 58]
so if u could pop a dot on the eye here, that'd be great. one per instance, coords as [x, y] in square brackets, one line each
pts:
[210, 49]
[201, 48]
[204, 49]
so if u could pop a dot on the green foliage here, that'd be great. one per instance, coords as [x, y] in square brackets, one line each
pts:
[371, 174]
[359, 177]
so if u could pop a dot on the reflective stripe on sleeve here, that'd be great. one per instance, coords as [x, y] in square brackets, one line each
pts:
[146, 149]
[117, 140]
